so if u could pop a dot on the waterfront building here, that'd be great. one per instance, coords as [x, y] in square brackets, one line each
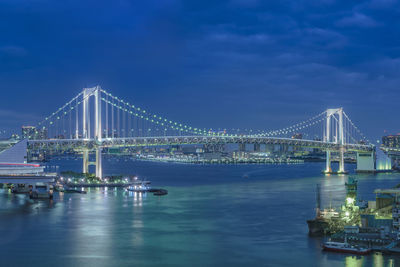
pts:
[391, 141]
[28, 132]
[391, 146]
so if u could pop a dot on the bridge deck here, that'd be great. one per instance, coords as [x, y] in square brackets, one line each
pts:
[192, 140]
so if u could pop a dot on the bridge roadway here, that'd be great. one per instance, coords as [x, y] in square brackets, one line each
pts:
[189, 140]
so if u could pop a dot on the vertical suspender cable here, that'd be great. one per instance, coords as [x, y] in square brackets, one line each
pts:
[129, 121]
[76, 120]
[124, 119]
[70, 122]
[118, 126]
[112, 118]
[106, 115]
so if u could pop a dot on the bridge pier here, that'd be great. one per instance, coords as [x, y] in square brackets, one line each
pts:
[341, 161]
[283, 149]
[257, 147]
[99, 166]
[366, 161]
[270, 148]
[98, 163]
[85, 158]
[242, 147]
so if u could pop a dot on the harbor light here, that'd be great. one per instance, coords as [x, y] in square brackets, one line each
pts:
[350, 201]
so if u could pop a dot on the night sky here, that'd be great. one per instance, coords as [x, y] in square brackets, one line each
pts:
[238, 63]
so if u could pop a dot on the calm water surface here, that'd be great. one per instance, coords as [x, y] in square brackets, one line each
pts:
[214, 215]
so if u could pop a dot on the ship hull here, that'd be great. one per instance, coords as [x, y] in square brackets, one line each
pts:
[317, 227]
[344, 250]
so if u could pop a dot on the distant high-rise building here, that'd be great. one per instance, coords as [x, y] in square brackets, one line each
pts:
[28, 132]
[32, 133]
[42, 133]
[392, 141]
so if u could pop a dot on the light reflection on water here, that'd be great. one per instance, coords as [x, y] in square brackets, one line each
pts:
[212, 216]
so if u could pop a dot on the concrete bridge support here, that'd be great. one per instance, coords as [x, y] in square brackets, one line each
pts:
[284, 148]
[85, 158]
[341, 160]
[270, 148]
[366, 161]
[98, 163]
[257, 147]
[242, 147]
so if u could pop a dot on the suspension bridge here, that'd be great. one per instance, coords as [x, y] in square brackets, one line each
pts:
[95, 119]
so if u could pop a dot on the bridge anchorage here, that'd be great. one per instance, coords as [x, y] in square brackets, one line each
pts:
[95, 120]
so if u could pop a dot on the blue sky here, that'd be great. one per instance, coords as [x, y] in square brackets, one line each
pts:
[237, 63]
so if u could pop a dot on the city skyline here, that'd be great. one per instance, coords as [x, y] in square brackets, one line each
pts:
[243, 64]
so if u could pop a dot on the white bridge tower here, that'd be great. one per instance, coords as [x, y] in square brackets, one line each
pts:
[86, 128]
[335, 133]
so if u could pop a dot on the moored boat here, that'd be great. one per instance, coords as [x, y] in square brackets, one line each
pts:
[20, 189]
[345, 248]
[160, 192]
[140, 186]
